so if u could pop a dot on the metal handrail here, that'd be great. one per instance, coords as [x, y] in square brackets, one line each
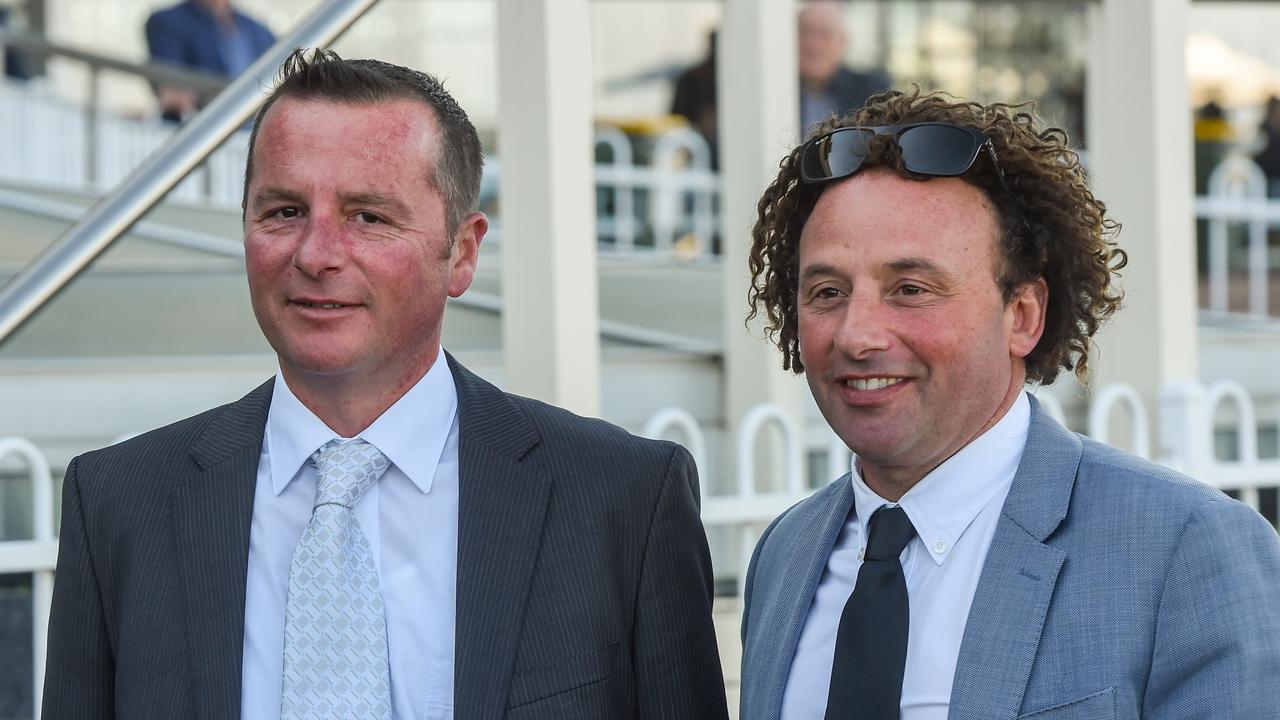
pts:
[153, 231]
[112, 217]
[160, 72]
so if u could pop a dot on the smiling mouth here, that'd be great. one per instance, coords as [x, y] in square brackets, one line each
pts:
[321, 305]
[872, 383]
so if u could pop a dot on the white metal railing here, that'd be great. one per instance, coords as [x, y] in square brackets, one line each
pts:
[36, 555]
[50, 147]
[1237, 196]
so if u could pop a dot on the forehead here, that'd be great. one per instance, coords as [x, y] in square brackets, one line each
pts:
[883, 201]
[388, 134]
[878, 212]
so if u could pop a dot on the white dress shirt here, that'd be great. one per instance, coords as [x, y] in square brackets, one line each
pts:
[410, 517]
[954, 510]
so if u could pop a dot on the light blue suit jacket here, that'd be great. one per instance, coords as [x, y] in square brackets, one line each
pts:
[1114, 588]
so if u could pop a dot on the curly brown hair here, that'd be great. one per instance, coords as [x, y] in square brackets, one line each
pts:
[1051, 225]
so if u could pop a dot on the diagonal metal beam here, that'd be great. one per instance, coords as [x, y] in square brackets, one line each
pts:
[112, 216]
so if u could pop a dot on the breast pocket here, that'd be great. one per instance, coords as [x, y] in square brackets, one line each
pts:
[555, 691]
[440, 691]
[1099, 706]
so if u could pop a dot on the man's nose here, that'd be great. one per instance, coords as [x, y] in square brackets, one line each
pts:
[320, 251]
[865, 328]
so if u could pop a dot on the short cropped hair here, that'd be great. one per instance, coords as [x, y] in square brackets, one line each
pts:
[323, 75]
[1051, 226]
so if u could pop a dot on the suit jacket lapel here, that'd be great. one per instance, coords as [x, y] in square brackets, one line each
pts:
[212, 511]
[1018, 578]
[502, 502]
[815, 536]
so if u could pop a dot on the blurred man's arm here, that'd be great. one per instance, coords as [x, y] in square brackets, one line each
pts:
[1217, 649]
[165, 43]
[677, 664]
[80, 666]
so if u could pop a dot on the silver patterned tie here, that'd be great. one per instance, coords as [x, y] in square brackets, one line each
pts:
[335, 634]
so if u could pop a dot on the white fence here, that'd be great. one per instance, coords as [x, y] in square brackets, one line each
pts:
[36, 555]
[1238, 197]
[49, 146]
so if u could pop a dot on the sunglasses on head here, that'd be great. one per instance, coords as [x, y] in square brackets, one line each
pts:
[931, 148]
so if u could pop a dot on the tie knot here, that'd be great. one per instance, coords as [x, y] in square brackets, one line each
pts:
[889, 532]
[347, 468]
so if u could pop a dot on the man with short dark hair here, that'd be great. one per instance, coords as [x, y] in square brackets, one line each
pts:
[921, 261]
[377, 532]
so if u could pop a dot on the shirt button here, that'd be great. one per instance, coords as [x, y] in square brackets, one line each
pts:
[862, 554]
[940, 547]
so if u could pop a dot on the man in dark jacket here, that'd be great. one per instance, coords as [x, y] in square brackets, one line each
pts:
[827, 86]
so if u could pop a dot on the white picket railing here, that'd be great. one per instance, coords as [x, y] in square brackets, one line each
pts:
[36, 555]
[1237, 196]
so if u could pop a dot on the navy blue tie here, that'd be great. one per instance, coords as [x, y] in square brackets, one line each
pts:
[871, 644]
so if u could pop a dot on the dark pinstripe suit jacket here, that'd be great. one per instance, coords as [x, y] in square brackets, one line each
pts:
[584, 581]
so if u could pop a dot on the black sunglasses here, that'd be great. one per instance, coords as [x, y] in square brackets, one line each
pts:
[931, 148]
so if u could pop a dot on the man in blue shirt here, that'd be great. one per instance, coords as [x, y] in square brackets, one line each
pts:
[207, 35]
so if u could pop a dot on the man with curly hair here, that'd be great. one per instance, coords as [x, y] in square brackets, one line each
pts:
[921, 262]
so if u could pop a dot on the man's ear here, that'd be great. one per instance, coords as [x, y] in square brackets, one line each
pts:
[465, 252]
[1025, 313]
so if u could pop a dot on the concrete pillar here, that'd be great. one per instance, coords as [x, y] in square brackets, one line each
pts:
[550, 330]
[1140, 156]
[758, 113]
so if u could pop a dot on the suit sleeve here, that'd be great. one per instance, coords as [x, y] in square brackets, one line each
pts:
[1217, 648]
[677, 664]
[749, 585]
[164, 40]
[80, 666]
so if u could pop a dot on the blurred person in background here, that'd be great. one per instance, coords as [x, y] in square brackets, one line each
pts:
[208, 35]
[1214, 139]
[1268, 157]
[827, 85]
[16, 64]
[695, 97]
[376, 532]
[921, 262]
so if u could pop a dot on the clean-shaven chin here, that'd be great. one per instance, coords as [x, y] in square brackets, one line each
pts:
[871, 392]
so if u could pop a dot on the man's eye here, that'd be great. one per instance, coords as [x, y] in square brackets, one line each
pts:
[287, 213]
[368, 217]
[911, 290]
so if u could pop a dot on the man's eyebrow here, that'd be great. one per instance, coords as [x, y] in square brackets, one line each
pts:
[809, 272]
[275, 194]
[918, 264]
[376, 200]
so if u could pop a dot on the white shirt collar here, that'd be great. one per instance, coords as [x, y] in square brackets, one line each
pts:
[411, 433]
[945, 502]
